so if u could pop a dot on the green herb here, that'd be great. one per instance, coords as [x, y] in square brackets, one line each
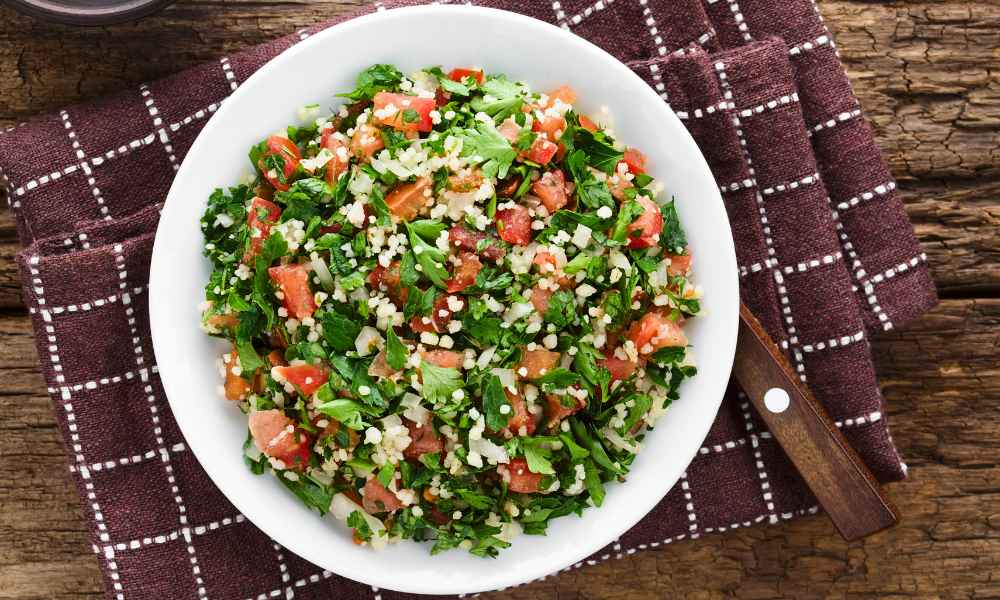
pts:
[396, 352]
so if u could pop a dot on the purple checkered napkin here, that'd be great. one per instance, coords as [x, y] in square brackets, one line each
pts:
[826, 253]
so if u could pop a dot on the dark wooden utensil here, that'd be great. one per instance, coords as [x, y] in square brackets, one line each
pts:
[838, 478]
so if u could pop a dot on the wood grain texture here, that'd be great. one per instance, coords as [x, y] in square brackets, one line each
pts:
[927, 74]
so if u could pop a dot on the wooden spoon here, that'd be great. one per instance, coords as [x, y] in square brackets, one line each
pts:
[844, 486]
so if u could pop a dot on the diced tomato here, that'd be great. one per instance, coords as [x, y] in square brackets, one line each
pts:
[437, 517]
[551, 190]
[276, 359]
[648, 225]
[468, 240]
[389, 281]
[541, 151]
[556, 411]
[465, 273]
[276, 436]
[290, 156]
[547, 265]
[563, 93]
[441, 97]
[331, 430]
[366, 141]
[424, 440]
[437, 321]
[412, 112]
[618, 187]
[514, 225]
[520, 417]
[294, 283]
[537, 362]
[521, 479]
[460, 74]
[341, 158]
[654, 331]
[236, 387]
[380, 367]
[540, 299]
[506, 188]
[620, 369]
[261, 216]
[444, 358]
[465, 182]
[588, 124]
[680, 265]
[405, 201]
[306, 378]
[377, 499]
[550, 126]
[510, 130]
[635, 160]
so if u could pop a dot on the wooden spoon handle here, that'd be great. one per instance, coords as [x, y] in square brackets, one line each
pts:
[838, 478]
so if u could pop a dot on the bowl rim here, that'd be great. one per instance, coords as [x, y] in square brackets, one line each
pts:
[59, 12]
[582, 547]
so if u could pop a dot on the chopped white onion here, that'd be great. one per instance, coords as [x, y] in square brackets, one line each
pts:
[489, 450]
[368, 339]
[323, 272]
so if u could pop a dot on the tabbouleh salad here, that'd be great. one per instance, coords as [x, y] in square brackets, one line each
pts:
[455, 306]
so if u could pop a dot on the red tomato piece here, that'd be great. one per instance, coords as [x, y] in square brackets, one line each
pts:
[438, 319]
[556, 411]
[540, 299]
[405, 201]
[654, 331]
[444, 358]
[306, 378]
[290, 156]
[276, 359]
[588, 124]
[377, 499]
[389, 281]
[236, 387]
[620, 369]
[261, 216]
[521, 479]
[460, 74]
[541, 151]
[551, 126]
[520, 417]
[402, 119]
[468, 240]
[276, 436]
[514, 225]
[551, 190]
[510, 130]
[341, 158]
[635, 160]
[466, 182]
[680, 265]
[537, 362]
[366, 141]
[648, 225]
[294, 283]
[424, 440]
[563, 93]
[465, 273]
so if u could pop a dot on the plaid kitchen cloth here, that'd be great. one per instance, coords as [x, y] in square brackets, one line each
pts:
[826, 253]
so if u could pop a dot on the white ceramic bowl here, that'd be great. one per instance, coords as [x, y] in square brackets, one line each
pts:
[313, 71]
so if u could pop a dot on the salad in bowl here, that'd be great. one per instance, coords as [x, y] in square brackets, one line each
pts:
[456, 307]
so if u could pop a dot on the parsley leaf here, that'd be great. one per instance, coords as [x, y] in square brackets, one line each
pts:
[374, 79]
[601, 154]
[396, 352]
[672, 236]
[562, 309]
[439, 382]
[430, 258]
[494, 398]
[250, 361]
[357, 522]
[339, 331]
[491, 148]
[537, 461]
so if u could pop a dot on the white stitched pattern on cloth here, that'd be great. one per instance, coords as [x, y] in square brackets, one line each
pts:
[586, 12]
[765, 483]
[89, 304]
[161, 131]
[168, 468]
[661, 48]
[84, 165]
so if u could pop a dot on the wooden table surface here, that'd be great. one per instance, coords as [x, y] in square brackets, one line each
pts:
[928, 74]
